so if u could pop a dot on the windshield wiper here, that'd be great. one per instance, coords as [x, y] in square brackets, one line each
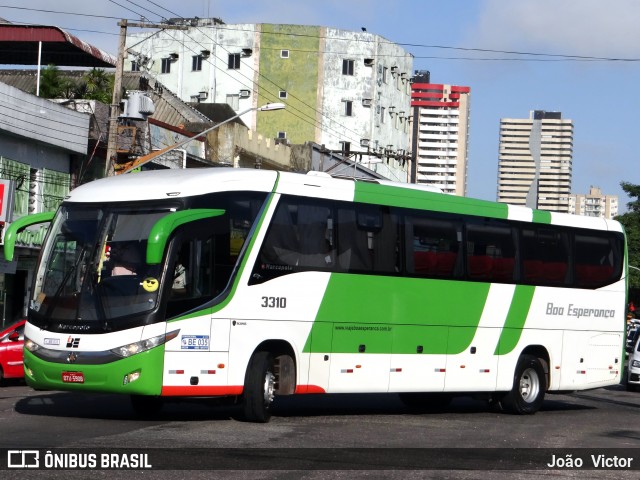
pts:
[65, 279]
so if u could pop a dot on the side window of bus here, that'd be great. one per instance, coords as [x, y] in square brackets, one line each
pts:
[491, 251]
[368, 239]
[545, 256]
[432, 246]
[200, 267]
[597, 260]
[301, 237]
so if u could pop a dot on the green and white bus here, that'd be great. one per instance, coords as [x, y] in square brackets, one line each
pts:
[253, 284]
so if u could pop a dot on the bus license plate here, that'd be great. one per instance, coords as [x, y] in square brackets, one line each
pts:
[73, 377]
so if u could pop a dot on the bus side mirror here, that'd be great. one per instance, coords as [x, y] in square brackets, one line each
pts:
[162, 229]
[16, 227]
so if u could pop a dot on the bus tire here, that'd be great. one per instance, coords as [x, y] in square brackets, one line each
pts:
[529, 386]
[146, 406]
[259, 388]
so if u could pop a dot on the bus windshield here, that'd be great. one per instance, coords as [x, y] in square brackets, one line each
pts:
[93, 268]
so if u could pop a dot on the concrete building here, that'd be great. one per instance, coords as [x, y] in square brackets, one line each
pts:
[535, 161]
[594, 204]
[349, 91]
[440, 134]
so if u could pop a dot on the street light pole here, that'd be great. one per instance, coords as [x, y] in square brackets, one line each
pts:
[150, 156]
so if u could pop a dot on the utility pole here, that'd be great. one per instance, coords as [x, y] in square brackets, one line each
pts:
[117, 88]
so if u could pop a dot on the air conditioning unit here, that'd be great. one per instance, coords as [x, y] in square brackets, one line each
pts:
[364, 142]
[246, 52]
[203, 95]
[366, 102]
[245, 93]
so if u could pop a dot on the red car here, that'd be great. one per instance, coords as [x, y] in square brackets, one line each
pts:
[11, 357]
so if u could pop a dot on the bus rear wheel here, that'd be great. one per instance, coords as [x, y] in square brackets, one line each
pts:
[259, 388]
[529, 386]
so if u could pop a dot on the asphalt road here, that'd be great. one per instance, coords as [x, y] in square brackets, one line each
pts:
[324, 436]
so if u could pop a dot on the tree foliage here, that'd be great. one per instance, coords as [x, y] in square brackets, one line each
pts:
[95, 84]
[631, 222]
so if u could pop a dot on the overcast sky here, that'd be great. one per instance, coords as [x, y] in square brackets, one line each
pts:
[589, 70]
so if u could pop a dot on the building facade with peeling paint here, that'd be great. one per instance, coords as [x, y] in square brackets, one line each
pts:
[349, 91]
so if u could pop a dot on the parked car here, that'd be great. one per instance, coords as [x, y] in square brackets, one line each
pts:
[632, 328]
[11, 356]
[633, 377]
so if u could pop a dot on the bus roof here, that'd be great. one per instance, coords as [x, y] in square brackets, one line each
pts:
[174, 183]
[162, 184]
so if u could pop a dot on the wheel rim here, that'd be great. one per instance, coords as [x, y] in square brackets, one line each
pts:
[529, 385]
[269, 388]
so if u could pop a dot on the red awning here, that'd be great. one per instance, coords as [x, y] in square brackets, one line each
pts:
[19, 46]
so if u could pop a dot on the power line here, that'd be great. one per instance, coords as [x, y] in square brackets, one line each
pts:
[60, 13]
[415, 45]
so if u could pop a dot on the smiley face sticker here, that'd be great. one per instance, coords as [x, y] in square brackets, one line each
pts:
[150, 284]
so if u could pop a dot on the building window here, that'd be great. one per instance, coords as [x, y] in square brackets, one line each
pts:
[347, 67]
[135, 66]
[233, 101]
[166, 65]
[382, 112]
[346, 148]
[282, 94]
[282, 135]
[284, 53]
[348, 108]
[234, 61]
[385, 75]
[196, 63]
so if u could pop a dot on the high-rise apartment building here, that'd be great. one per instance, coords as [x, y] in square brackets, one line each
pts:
[535, 161]
[348, 91]
[594, 204]
[440, 134]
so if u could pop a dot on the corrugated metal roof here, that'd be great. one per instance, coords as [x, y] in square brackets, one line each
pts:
[26, 80]
[19, 45]
[168, 107]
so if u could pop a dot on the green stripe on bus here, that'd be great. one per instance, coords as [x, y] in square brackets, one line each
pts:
[540, 216]
[382, 314]
[516, 318]
[412, 198]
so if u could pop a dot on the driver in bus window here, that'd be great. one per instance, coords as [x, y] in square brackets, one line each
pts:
[124, 261]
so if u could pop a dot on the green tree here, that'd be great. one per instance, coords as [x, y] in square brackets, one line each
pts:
[54, 84]
[631, 222]
[97, 85]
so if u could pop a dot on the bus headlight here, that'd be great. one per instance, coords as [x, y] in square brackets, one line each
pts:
[30, 345]
[143, 345]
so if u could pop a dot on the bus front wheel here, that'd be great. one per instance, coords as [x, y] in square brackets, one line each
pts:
[529, 386]
[259, 388]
